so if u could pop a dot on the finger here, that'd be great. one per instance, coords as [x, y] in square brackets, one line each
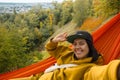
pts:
[65, 34]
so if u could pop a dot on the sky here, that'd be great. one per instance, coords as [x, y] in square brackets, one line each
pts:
[29, 1]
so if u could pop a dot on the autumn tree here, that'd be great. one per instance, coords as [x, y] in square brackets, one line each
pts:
[81, 10]
[66, 14]
[106, 8]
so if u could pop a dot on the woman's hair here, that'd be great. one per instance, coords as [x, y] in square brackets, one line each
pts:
[92, 51]
[87, 36]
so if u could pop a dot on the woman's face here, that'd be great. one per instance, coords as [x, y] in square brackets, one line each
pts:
[80, 48]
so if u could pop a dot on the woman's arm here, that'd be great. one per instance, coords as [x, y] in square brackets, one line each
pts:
[118, 72]
[52, 46]
[60, 38]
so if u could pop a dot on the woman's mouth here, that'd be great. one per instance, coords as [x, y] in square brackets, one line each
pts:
[79, 51]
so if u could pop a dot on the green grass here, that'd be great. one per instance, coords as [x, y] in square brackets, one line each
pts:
[45, 55]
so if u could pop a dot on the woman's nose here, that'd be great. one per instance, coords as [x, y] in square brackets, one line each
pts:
[77, 46]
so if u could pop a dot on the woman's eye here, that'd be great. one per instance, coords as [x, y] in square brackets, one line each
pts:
[81, 43]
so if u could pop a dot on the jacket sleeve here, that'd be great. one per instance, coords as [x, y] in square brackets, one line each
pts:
[55, 50]
[105, 72]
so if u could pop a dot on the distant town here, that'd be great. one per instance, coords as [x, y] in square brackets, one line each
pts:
[21, 7]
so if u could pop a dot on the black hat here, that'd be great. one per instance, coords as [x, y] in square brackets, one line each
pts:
[80, 34]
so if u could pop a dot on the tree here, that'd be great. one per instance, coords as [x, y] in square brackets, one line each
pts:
[12, 51]
[57, 12]
[66, 14]
[106, 8]
[81, 10]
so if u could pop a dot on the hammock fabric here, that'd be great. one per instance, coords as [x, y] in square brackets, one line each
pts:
[106, 41]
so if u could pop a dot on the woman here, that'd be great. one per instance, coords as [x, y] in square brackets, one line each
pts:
[80, 62]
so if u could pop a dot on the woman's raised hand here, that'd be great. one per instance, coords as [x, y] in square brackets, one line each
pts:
[60, 37]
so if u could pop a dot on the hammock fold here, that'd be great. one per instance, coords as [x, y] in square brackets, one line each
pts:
[106, 40]
[29, 70]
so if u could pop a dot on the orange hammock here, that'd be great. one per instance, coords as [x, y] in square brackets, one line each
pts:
[106, 41]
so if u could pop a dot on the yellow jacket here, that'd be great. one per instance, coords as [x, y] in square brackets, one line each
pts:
[85, 70]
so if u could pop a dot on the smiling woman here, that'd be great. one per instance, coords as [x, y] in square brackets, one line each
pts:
[80, 62]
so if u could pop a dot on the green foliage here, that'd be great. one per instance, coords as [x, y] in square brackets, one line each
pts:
[37, 55]
[106, 8]
[4, 17]
[12, 51]
[57, 12]
[62, 12]
[81, 11]
[33, 20]
[20, 21]
[46, 32]
[66, 14]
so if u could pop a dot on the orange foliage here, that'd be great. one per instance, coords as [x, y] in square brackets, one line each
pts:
[92, 23]
[96, 2]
